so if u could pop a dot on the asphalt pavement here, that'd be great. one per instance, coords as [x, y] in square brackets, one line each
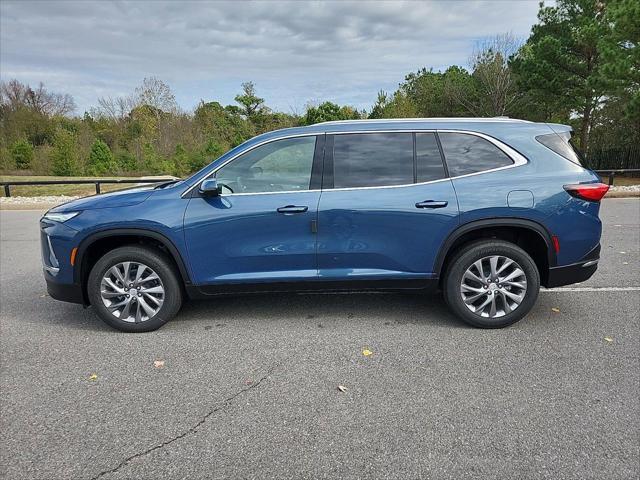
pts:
[249, 385]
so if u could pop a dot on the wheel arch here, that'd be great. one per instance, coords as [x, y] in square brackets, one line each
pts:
[98, 243]
[531, 235]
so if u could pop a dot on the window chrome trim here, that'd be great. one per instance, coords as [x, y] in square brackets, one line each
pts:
[517, 158]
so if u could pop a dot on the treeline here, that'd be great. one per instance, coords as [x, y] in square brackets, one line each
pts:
[581, 65]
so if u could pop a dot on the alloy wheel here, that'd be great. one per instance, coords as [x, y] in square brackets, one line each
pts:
[494, 286]
[132, 292]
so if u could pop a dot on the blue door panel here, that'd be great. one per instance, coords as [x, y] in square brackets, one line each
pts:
[238, 238]
[380, 233]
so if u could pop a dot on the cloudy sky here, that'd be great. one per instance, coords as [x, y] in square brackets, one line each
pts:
[294, 52]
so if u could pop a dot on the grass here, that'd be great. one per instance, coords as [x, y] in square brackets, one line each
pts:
[70, 190]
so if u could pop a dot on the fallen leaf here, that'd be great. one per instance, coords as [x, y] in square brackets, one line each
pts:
[555, 309]
[342, 388]
[367, 352]
[158, 363]
[608, 339]
[93, 376]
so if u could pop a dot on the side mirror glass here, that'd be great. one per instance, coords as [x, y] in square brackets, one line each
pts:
[209, 188]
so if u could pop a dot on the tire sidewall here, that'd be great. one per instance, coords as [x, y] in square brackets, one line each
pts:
[476, 251]
[155, 261]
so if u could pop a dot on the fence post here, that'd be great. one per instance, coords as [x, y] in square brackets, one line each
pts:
[611, 174]
[97, 188]
[7, 190]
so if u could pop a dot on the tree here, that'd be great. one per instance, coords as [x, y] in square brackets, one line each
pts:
[399, 105]
[154, 93]
[65, 154]
[435, 94]
[22, 154]
[561, 61]
[328, 111]
[250, 102]
[621, 54]
[15, 95]
[495, 90]
[101, 159]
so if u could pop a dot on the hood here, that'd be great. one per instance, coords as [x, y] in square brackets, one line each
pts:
[121, 198]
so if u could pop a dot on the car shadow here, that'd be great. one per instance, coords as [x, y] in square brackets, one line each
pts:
[314, 309]
[323, 308]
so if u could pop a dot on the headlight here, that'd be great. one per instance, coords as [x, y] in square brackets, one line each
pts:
[60, 217]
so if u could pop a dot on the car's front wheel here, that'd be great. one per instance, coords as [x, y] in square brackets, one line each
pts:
[491, 283]
[134, 289]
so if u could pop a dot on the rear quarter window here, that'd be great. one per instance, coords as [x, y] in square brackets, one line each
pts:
[466, 153]
[560, 145]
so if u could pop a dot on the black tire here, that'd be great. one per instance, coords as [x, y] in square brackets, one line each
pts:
[155, 260]
[475, 251]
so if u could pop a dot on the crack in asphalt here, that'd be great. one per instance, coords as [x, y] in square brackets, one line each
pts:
[193, 429]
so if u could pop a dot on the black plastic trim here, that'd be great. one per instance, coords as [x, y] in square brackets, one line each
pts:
[327, 171]
[576, 272]
[569, 274]
[140, 232]
[444, 162]
[205, 291]
[495, 222]
[65, 292]
[318, 159]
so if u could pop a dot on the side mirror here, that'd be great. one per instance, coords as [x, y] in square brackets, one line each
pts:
[209, 188]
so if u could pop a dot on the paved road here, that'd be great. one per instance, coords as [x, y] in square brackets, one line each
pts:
[248, 388]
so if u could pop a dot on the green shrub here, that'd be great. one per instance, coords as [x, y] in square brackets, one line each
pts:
[126, 162]
[22, 154]
[64, 157]
[101, 159]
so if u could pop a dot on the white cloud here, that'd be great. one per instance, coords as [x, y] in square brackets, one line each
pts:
[293, 51]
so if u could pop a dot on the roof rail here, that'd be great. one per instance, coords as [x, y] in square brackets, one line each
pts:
[425, 120]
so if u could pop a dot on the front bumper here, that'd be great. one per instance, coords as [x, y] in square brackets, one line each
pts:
[65, 292]
[576, 272]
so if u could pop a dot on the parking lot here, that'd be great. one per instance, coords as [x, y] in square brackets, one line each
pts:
[249, 385]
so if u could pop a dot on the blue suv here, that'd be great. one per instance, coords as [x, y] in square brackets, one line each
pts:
[487, 210]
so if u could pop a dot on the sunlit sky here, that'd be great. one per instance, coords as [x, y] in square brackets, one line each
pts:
[296, 53]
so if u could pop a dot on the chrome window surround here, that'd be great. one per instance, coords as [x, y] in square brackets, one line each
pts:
[517, 158]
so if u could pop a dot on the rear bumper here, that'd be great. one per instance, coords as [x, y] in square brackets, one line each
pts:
[65, 292]
[576, 272]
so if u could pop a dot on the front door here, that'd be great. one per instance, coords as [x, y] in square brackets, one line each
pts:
[261, 228]
[387, 205]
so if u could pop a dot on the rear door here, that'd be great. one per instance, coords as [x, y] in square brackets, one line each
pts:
[387, 205]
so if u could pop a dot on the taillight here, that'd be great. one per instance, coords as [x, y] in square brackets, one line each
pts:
[588, 191]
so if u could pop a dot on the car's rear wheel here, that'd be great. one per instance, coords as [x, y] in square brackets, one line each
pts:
[134, 289]
[491, 283]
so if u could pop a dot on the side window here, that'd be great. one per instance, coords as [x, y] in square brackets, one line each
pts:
[281, 165]
[372, 159]
[562, 146]
[429, 161]
[467, 153]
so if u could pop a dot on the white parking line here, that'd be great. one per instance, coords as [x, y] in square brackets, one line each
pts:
[591, 289]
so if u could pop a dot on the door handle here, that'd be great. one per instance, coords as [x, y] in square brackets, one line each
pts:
[289, 209]
[431, 204]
